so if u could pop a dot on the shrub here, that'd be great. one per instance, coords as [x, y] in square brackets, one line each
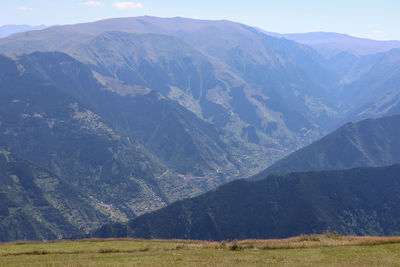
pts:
[333, 235]
[145, 249]
[180, 247]
[37, 252]
[108, 250]
[223, 244]
[304, 238]
[235, 246]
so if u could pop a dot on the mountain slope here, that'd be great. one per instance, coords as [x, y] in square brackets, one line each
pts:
[129, 148]
[273, 92]
[388, 105]
[47, 125]
[35, 204]
[372, 77]
[357, 201]
[371, 142]
[181, 140]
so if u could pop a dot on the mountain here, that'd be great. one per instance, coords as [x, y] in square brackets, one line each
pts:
[388, 105]
[58, 130]
[368, 69]
[368, 85]
[272, 92]
[127, 147]
[268, 89]
[7, 30]
[140, 112]
[363, 201]
[48, 126]
[36, 204]
[372, 77]
[176, 136]
[330, 44]
[371, 142]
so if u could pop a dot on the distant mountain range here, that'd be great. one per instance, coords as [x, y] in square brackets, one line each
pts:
[331, 44]
[272, 92]
[362, 201]
[7, 30]
[138, 113]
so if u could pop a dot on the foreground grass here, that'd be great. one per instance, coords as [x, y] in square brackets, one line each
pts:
[329, 249]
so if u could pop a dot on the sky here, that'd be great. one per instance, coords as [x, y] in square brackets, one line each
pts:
[363, 18]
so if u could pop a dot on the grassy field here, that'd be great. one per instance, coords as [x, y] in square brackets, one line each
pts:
[314, 250]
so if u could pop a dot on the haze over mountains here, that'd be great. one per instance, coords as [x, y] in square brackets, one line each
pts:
[140, 112]
[206, 72]
[270, 90]
[7, 30]
[331, 44]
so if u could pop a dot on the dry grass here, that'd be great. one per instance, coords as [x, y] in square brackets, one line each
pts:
[308, 250]
[325, 240]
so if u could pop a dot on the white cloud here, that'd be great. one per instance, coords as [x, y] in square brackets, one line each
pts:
[24, 8]
[92, 3]
[379, 32]
[127, 5]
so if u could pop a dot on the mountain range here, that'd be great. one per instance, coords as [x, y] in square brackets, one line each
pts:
[7, 30]
[229, 74]
[133, 114]
[69, 133]
[269, 90]
[330, 44]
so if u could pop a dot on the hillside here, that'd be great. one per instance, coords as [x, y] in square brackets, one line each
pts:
[372, 77]
[371, 142]
[64, 130]
[357, 201]
[387, 105]
[184, 143]
[63, 135]
[36, 204]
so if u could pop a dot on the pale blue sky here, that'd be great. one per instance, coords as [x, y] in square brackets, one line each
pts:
[365, 18]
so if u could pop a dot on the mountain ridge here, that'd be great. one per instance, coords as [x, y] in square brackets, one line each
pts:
[370, 142]
[255, 79]
[349, 202]
[330, 44]
[10, 29]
